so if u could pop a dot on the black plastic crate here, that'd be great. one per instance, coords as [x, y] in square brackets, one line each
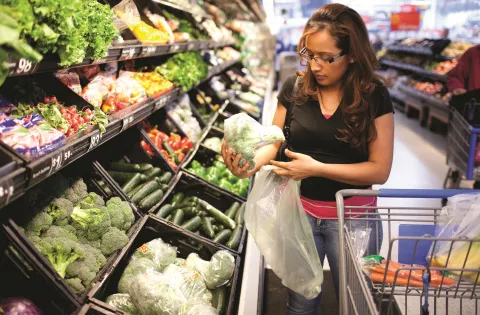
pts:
[92, 309]
[193, 186]
[128, 146]
[206, 157]
[153, 228]
[40, 267]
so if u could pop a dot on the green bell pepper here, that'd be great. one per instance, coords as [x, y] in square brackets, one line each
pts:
[212, 174]
[196, 165]
[232, 178]
[225, 184]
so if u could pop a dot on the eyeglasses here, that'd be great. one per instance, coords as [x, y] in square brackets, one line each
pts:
[317, 59]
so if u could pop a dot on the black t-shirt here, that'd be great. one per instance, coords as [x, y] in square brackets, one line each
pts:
[313, 134]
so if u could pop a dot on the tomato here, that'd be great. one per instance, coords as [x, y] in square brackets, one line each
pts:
[63, 110]
[88, 111]
[86, 119]
[75, 127]
[72, 110]
[80, 120]
[70, 132]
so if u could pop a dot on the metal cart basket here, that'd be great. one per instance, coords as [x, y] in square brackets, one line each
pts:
[360, 295]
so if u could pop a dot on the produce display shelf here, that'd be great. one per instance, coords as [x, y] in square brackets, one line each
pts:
[182, 8]
[414, 50]
[428, 99]
[21, 66]
[77, 146]
[417, 70]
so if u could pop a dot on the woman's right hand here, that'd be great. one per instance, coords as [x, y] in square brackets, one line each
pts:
[231, 162]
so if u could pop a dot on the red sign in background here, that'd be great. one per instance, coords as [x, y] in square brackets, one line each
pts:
[405, 21]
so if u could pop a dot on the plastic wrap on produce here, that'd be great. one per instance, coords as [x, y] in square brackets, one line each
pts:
[197, 309]
[189, 282]
[215, 272]
[245, 135]
[136, 266]
[122, 302]
[97, 90]
[161, 253]
[183, 116]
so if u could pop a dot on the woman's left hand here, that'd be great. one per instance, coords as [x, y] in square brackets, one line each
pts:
[301, 166]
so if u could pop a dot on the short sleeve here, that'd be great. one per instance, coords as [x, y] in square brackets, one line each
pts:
[382, 101]
[285, 94]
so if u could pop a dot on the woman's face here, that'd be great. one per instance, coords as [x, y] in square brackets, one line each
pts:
[323, 45]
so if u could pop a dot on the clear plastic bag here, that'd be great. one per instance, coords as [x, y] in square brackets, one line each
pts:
[215, 272]
[122, 302]
[459, 220]
[161, 253]
[135, 267]
[189, 282]
[360, 239]
[245, 135]
[277, 221]
[198, 309]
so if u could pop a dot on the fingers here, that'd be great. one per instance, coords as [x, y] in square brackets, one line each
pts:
[228, 159]
[291, 154]
[281, 172]
[283, 165]
[224, 150]
[236, 161]
[244, 169]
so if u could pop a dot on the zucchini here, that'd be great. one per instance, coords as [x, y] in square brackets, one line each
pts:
[193, 224]
[153, 172]
[207, 227]
[190, 211]
[132, 183]
[165, 178]
[169, 217]
[178, 217]
[239, 217]
[134, 190]
[216, 229]
[223, 236]
[185, 205]
[151, 200]
[125, 167]
[143, 178]
[121, 177]
[232, 210]
[164, 211]
[145, 167]
[146, 189]
[162, 186]
[219, 300]
[217, 214]
[170, 151]
[178, 198]
[234, 240]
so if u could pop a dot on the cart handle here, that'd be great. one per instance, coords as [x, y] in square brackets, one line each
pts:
[424, 193]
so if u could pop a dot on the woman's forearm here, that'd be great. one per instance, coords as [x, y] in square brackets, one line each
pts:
[365, 173]
[265, 154]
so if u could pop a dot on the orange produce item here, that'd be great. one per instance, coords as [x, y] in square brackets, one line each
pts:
[378, 278]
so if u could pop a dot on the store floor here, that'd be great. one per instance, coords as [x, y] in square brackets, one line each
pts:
[419, 162]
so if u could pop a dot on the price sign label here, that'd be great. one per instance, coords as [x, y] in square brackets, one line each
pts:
[6, 191]
[148, 51]
[204, 46]
[99, 61]
[174, 48]
[25, 66]
[127, 122]
[127, 53]
[160, 103]
[191, 46]
[95, 141]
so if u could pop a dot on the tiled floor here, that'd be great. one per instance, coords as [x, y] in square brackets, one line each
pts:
[420, 163]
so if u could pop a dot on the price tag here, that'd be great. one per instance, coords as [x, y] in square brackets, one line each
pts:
[6, 191]
[160, 103]
[127, 53]
[191, 46]
[127, 122]
[99, 61]
[174, 48]
[25, 66]
[203, 46]
[95, 141]
[148, 51]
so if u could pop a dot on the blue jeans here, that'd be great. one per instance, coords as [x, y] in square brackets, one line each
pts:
[325, 235]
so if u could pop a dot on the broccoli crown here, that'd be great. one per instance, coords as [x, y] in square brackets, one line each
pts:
[76, 285]
[39, 223]
[83, 272]
[121, 214]
[61, 252]
[88, 266]
[92, 201]
[57, 231]
[90, 223]
[113, 240]
[60, 209]
[63, 222]
[77, 192]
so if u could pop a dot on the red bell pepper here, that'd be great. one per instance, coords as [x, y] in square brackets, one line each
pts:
[186, 144]
[180, 156]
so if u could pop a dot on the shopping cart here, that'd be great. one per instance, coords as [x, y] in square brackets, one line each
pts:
[461, 147]
[359, 295]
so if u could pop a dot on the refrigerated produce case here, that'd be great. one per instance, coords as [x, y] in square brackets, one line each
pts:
[122, 155]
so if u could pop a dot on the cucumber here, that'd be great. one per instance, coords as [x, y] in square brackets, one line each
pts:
[239, 217]
[190, 211]
[143, 178]
[169, 217]
[164, 211]
[178, 198]
[170, 151]
[151, 200]
[219, 300]
[216, 229]
[232, 210]
[165, 178]
[162, 186]
[178, 217]
[121, 177]
[145, 167]
[223, 236]
[207, 227]
[234, 240]
[104, 187]
[185, 205]
[193, 224]
[153, 172]
[134, 190]
[125, 167]
[217, 214]
[147, 189]
[132, 183]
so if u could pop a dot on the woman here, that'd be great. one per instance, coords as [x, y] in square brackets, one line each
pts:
[341, 130]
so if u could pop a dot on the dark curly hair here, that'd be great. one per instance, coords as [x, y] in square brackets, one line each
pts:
[348, 29]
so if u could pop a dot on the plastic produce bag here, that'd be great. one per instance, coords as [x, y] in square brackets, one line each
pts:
[277, 221]
[182, 114]
[189, 282]
[161, 253]
[245, 135]
[135, 267]
[215, 272]
[459, 220]
[198, 309]
[122, 302]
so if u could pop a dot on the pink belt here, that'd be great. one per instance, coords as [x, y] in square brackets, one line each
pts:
[328, 209]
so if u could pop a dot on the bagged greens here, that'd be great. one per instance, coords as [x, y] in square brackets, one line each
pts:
[215, 272]
[198, 309]
[158, 251]
[122, 302]
[245, 135]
